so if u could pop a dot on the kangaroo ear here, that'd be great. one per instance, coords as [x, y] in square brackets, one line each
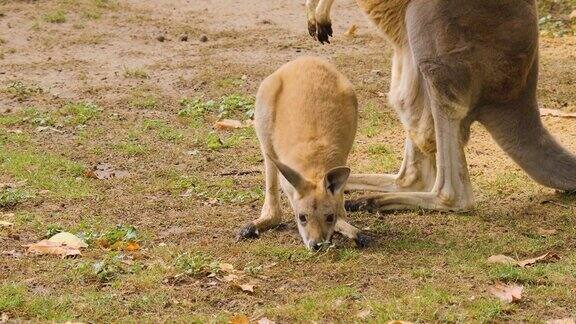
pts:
[335, 179]
[295, 179]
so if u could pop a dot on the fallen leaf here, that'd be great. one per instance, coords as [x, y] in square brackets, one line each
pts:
[226, 124]
[239, 319]
[226, 267]
[507, 293]
[230, 278]
[364, 314]
[249, 288]
[502, 259]
[68, 239]
[55, 248]
[567, 320]
[265, 320]
[547, 257]
[556, 113]
[132, 246]
[104, 171]
[351, 32]
[546, 232]
[5, 224]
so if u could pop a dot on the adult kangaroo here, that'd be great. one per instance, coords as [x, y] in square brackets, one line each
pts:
[456, 62]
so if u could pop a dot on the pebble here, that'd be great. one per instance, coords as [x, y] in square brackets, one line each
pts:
[203, 38]
[161, 38]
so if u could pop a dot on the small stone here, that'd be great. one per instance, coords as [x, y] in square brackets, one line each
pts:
[183, 38]
[161, 38]
[203, 38]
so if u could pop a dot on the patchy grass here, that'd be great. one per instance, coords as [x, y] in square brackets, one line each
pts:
[192, 187]
[135, 73]
[55, 17]
[20, 91]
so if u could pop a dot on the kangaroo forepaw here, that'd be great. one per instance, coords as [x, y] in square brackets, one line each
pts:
[249, 231]
[312, 29]
[360, 204]
[363, 240]
[324, 32]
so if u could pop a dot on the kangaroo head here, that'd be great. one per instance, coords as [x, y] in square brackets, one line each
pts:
[317, 204]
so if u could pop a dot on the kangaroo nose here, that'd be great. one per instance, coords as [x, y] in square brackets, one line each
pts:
[314, 245]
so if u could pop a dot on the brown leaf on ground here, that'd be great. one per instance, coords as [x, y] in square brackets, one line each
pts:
[567, 320]
[132, 246]
[239, 319]
[546, 232]
[227, 124]
[507, 293]
[230, 278]
[46, 247]
[226, 267]
[364, 314]
[249, 288]
[502, 259]
[556, 113]
[69, 240]
[351, 32]
[104, 171]
[5, 224]
[547, 257]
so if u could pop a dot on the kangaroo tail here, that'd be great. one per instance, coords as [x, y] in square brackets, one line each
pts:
[520, 133]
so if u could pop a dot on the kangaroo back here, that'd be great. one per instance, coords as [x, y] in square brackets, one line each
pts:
[307, 114]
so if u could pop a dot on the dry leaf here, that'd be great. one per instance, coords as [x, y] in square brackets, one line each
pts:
[226, 124]
[546, 232]
[364, 314]
[249, 288]
[547, 257]
[132, 246]
[230, 278]
[567, 320]
[5, 224]
[265, 320]
[68, 239]
[105, 171]
[507, 293]
[351, 32]
[502, 259]
[556, 113]
[55, 248]
[226, 267]
[239, 319]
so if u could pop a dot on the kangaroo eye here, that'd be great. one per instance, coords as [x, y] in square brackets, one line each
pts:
[330, 218]
[302, 218]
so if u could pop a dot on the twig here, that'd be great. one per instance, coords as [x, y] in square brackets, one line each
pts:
[239, 173]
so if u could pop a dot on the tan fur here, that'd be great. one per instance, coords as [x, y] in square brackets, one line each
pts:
[388, 17]
[306, 120]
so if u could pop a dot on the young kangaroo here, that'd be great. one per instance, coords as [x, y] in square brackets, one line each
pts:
[456, 62]
[306, 118]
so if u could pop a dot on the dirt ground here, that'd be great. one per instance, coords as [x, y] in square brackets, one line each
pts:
[85, 82]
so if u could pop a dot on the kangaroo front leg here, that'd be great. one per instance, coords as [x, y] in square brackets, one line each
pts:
[311, 15]
[319, 23]
[452, 188]
[352, 232]
[271, 215]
